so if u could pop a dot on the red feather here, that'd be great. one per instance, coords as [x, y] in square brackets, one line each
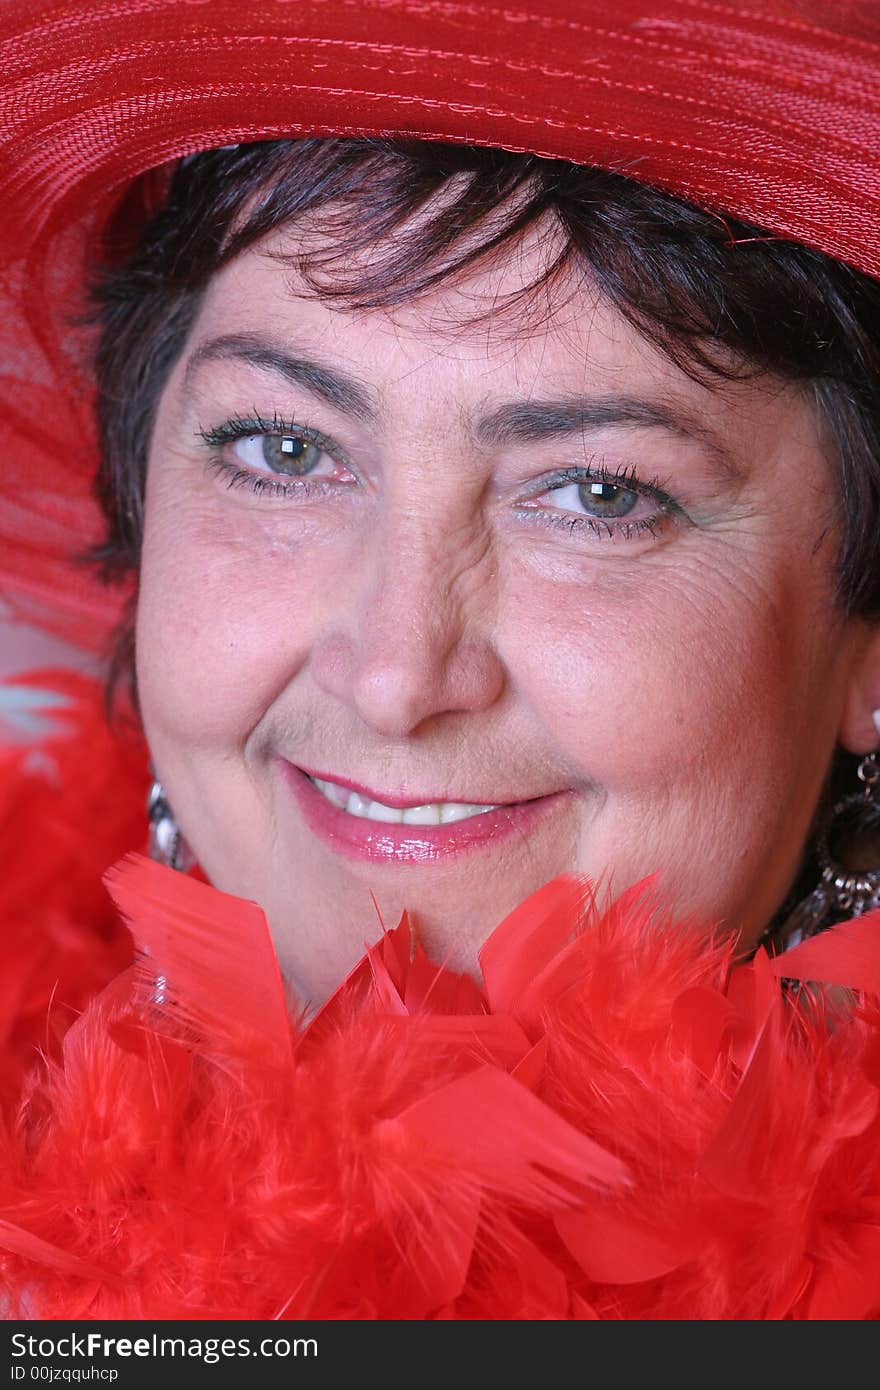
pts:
[211, 954]
[844, 955]
[61, 940]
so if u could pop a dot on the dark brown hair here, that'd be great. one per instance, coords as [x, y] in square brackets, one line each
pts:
[692, 282]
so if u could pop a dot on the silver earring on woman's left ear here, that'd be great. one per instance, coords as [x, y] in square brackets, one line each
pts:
[167, 845]
[852, 829]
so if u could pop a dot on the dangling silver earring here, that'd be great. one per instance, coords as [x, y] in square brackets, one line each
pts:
[167, 845]
[841, 892]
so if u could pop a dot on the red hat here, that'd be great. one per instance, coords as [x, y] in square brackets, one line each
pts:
[769, 112]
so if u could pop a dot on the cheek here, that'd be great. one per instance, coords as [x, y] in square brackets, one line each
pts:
[226, 616]
[648, 671]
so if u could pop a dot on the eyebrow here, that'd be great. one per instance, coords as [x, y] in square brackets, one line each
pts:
[513, 422]
[528, 422]
[339, 389]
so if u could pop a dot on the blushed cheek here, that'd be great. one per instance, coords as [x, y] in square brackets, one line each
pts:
[224, 623]
[649, 684]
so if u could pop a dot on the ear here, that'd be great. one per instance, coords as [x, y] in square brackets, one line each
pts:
[860, 719]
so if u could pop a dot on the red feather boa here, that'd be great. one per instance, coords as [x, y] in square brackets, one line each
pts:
[68, 808]
[623, 1123]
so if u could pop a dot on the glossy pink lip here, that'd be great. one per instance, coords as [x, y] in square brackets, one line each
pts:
[406, 844]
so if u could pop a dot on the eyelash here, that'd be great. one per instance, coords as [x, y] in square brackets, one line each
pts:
[245, 427]
[624, 476]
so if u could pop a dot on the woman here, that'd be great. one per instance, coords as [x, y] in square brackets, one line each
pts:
[493, 520]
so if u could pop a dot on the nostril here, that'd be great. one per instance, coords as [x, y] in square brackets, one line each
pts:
[398, 664]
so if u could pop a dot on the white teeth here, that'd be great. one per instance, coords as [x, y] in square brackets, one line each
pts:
[332, 792]
[451, 810]
[421, 815]
[437, 813]
[372, 810]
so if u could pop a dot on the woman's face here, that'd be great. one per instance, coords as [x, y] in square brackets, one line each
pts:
[532, 567]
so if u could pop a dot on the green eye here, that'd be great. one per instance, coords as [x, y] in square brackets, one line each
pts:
[606, 500]
[290, 454]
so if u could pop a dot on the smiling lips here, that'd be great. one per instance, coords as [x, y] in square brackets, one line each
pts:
[430, 813]
[354, 822]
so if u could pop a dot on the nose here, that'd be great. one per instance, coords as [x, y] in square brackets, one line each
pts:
[412, 640]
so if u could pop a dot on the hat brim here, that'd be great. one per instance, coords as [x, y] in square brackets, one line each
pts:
[770, 113]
